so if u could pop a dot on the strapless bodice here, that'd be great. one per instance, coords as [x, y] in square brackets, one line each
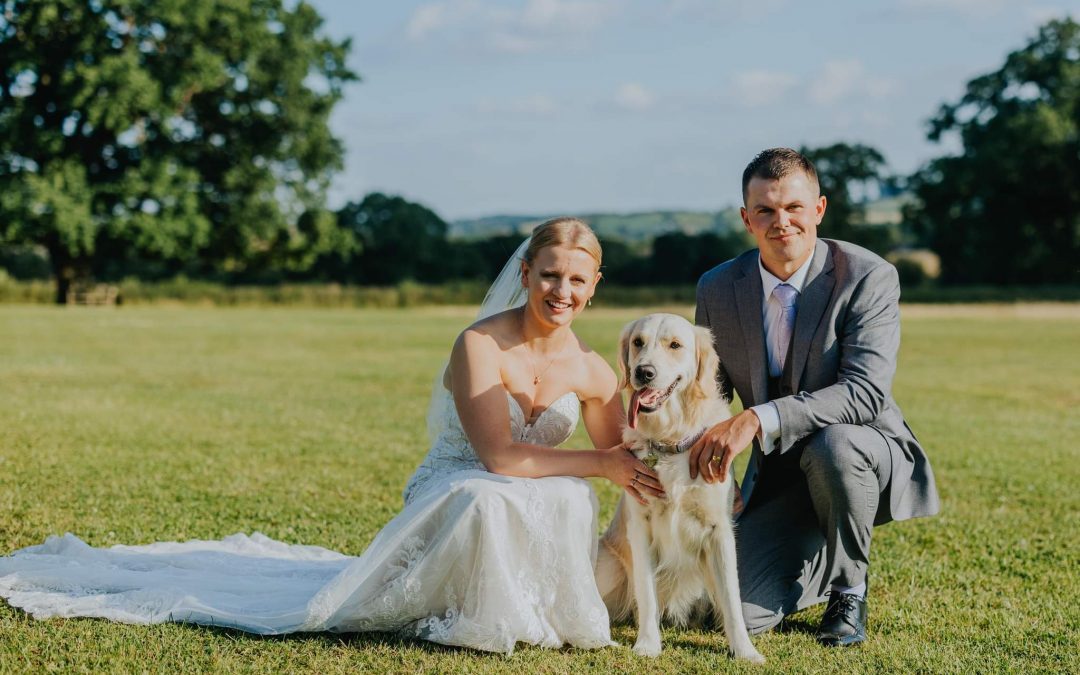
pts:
[551, 427]
[452, 451]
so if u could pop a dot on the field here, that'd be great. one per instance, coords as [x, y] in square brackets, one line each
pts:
[168, 423]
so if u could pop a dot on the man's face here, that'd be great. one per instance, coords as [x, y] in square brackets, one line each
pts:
[783, 215]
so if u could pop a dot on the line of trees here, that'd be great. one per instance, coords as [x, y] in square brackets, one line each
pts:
[395, 240]
[1006, 210]
[152, 138]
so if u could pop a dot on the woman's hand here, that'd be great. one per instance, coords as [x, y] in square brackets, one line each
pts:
[630, 473]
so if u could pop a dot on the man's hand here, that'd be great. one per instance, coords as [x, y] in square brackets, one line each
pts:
[711, 456]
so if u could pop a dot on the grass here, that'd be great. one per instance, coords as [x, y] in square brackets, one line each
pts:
[167, 423]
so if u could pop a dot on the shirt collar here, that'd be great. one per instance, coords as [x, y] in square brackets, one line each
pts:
[796, 280]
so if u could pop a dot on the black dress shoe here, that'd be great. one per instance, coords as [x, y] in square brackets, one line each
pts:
[844, 623]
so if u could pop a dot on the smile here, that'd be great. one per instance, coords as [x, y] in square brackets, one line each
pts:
[558, 305]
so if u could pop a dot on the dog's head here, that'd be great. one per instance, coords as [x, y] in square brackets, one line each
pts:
[668, 364]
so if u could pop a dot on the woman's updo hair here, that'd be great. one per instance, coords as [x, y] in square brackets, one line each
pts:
[568, 232]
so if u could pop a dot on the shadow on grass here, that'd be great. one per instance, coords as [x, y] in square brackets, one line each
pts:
[699, 641]
[390, 640]
[801, 623]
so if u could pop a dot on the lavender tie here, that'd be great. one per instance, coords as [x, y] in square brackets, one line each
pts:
[786, 295]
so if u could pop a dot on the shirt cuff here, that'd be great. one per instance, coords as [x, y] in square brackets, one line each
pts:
[769, 435]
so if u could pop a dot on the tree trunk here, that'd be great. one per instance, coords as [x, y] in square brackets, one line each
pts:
[63, 267]
[63, 285]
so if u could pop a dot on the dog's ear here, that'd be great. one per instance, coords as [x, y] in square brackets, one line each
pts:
[624, 355]
[708, 364]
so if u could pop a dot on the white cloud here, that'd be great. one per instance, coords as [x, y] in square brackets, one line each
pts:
[536, 25]
[841, 80]
[837, 81]
[633, 96]
[561, 15]
[762, 87]
[425, 20]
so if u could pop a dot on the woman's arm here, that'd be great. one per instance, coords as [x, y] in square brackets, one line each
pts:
[482, 406]
[605, 417]
[601, 403]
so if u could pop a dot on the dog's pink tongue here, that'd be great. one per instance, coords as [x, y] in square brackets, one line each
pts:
[635, 403]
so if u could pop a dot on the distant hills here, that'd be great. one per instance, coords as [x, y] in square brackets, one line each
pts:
[642, 227]
[629, 227]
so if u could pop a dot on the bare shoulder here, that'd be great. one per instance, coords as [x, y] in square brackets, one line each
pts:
[598, 381]
[479, 353]
[496, 332]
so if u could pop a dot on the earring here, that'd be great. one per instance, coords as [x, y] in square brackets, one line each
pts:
[589, 303]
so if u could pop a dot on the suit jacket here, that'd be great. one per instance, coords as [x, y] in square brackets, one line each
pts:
[841, 363]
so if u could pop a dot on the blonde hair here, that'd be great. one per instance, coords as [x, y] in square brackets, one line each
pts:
[569, 232]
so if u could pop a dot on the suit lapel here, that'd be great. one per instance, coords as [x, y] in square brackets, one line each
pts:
[748, 294]
[812, 303]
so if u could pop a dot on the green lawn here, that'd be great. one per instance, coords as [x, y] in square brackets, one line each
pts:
[155, 423]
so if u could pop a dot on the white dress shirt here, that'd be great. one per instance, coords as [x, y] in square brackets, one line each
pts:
[767, 412]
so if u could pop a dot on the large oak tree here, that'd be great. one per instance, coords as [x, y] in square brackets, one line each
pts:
[181, 130]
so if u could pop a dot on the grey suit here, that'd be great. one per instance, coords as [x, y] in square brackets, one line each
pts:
[843, 440]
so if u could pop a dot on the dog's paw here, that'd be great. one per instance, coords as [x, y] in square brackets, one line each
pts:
[650, 648]
[752, 656]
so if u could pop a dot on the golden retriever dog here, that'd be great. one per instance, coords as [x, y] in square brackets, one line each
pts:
[674, 558]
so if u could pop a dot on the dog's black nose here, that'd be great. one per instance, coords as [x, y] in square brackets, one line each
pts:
[645, 373]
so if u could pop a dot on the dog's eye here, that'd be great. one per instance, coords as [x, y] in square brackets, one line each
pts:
[638, 342]
[675, 344]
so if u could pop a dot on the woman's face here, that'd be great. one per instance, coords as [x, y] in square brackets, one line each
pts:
[560, 281]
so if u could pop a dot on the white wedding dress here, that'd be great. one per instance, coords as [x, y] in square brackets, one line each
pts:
[474, 559]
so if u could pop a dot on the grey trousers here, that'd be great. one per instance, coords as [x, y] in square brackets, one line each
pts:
[809, 520]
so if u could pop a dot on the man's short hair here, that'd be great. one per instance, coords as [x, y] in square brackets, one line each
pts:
[774, 164]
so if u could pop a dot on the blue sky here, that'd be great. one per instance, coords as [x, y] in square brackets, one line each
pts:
[480, 107]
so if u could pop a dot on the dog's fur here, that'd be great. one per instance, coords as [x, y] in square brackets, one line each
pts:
[675, 557]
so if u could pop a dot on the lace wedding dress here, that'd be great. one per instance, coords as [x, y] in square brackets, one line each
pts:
[474, 559]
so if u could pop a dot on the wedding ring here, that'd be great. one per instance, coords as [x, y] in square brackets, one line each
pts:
[717, 459]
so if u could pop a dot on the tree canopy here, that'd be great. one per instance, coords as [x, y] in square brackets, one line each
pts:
[178, 130]
[1007, 208]
[399, 240]
[850, 175]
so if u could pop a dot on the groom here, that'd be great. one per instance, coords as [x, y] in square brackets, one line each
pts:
[807, 331]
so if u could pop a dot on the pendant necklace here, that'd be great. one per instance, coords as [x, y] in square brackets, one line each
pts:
[538, 377]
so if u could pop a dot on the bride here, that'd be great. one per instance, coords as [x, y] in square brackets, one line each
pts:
[497, 539]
